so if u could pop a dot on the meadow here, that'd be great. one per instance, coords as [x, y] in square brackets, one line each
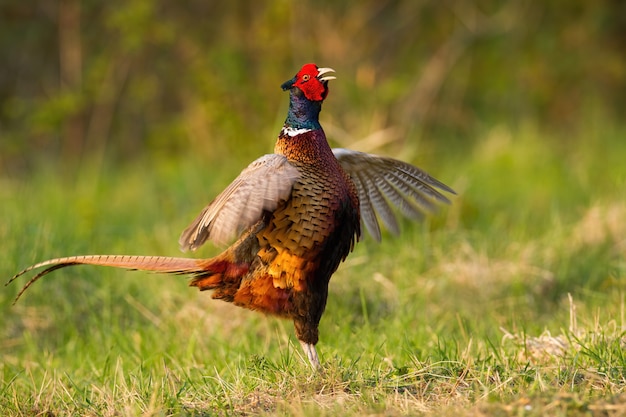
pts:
[509, 302]
[120, 120]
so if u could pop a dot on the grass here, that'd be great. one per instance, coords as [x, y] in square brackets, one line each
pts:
[510, 302]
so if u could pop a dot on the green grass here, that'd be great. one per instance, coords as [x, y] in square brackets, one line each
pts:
[510, 302]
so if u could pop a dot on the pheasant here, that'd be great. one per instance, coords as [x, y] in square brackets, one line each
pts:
[297, 214]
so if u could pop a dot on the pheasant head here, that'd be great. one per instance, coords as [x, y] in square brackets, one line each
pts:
[312, 81]
[307, 90]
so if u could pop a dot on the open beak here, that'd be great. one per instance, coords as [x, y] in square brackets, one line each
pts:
[322, 77]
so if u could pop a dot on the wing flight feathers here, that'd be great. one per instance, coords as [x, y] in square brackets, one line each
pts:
[260, 187]
[385, 182]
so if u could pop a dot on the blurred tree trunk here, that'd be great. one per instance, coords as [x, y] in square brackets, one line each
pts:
[70, 74]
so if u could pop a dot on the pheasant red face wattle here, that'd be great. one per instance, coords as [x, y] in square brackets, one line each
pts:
[312, 81]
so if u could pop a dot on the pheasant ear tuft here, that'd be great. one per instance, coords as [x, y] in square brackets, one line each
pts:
[288, 84]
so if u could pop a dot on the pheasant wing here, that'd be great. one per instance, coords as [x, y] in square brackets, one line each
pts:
[260, 187]
[385, 182]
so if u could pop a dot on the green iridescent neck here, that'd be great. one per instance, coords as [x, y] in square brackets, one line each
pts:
[303, 113]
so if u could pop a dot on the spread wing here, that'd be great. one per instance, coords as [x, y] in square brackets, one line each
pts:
[260, 187]
[382, 182]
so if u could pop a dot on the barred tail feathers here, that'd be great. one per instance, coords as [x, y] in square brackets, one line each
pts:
[161, 264]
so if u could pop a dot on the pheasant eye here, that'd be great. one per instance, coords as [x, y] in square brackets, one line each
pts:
[306, 77]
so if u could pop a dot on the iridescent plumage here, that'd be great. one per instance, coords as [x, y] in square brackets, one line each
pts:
[297, 213]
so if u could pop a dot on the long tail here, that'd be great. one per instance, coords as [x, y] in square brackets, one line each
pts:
[162, 264]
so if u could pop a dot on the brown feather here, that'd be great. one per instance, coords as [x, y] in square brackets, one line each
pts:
[143, 263]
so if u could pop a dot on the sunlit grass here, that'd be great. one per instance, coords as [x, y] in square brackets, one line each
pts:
[509, 302]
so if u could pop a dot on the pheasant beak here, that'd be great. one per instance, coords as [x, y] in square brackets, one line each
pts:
[322, 71]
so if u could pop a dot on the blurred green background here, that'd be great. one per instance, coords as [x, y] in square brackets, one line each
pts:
[88, 83]
[120, 120]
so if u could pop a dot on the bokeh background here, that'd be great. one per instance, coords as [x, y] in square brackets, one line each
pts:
[120, 120]
[86, 83]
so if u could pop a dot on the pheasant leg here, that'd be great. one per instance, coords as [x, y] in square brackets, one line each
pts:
[311, 353]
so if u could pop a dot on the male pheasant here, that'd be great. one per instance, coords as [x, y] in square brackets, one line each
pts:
[298, 214]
